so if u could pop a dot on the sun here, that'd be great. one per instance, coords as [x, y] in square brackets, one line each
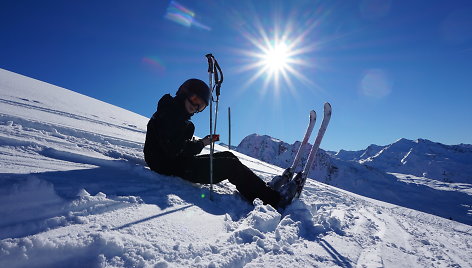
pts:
[276, 58]
[278, 55]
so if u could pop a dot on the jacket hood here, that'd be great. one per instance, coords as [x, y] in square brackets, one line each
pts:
[174, 105]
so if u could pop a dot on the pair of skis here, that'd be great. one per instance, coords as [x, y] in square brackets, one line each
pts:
[300, 177]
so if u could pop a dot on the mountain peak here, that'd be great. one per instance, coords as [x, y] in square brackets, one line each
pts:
[403, 141]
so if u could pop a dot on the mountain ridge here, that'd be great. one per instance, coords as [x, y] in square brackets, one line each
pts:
[420, 157]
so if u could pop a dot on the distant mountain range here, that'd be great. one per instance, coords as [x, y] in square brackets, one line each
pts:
[421, 158]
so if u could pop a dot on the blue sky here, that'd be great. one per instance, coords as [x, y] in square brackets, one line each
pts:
[390, 69]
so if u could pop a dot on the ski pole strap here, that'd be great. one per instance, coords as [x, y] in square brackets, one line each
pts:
[218, 81]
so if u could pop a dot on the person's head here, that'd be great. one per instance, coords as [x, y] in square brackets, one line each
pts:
[196, 95]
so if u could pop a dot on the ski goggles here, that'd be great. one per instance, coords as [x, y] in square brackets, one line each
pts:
[197, 102]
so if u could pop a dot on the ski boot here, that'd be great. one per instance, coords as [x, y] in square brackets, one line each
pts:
[278, 181]
[287, 193]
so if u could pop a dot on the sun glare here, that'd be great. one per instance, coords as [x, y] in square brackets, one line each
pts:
[278, 55]
[277, 58]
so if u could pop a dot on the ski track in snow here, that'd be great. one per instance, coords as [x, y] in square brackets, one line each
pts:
[83, 197]
[66, 114]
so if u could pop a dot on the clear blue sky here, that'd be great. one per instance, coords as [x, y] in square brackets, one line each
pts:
[391, 69]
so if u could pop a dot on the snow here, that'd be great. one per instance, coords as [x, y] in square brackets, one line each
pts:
[75, 192]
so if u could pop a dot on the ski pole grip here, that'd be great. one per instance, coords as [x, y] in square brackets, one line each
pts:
[210, 59]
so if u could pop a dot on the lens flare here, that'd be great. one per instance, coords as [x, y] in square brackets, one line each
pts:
[154, 64]
[375, 83]
[183, 16]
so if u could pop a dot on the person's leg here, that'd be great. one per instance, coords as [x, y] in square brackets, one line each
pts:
[197, 169]
[227, 166]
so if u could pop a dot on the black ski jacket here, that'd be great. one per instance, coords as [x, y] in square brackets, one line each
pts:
[169, 136]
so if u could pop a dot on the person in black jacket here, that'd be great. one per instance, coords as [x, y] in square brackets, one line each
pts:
[170, 149]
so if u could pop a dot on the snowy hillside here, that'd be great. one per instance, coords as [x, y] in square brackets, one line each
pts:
[401, 173]
[74, 192]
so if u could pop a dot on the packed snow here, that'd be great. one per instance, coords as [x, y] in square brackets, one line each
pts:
[75, 192]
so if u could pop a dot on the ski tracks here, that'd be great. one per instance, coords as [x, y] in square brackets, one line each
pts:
[398, 241]
[67, 144]
[437, 242]
[363, 232]
[386, 243]
[35, 108]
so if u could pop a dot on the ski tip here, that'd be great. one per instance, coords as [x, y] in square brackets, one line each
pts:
[312, 114]
[327, 108]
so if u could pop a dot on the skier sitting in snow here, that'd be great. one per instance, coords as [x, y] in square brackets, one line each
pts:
[170, 150]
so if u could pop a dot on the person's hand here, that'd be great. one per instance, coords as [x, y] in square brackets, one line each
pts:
[207, 140]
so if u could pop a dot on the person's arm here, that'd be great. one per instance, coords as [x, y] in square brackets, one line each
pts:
[175, 139]
[192, 147]
[207, 140]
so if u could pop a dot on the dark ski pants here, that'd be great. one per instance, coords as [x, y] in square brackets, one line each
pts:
[227, 166]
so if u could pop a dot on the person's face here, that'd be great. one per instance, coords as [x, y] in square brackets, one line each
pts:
[194, 104]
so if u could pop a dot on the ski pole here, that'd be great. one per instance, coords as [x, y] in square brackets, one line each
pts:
[210, 77]
[214, 72]
[229, 128]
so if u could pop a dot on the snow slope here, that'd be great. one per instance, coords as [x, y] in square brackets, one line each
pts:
[74, 192]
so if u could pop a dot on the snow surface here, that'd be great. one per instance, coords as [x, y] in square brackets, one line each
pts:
[74, 192]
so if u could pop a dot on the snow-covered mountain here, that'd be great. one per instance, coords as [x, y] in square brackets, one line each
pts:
[422, 158]
[370, 151]
[389, 173]
[74, 192]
